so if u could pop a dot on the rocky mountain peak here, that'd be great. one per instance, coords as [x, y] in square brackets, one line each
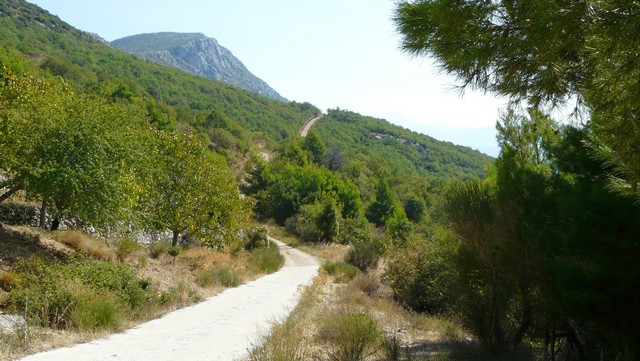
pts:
[198, 54]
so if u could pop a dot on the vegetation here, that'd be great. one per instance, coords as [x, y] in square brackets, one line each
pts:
[541, 250]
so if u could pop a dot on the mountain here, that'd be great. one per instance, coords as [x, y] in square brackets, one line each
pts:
[232, 119]
[198, 54]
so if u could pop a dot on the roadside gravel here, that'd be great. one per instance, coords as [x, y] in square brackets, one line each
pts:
[224, 327]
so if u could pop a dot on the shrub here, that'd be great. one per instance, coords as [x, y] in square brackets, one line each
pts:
[341, 271]
[63, 295]
[127, 247]
[8, 280]
[352, 335]
[420, 274]
[366, 283]
[93, 247]
[90, 310]
[257, 237]
[158, 248]
[364, 255]
[179, 295]
[266, 259]
[221, 276]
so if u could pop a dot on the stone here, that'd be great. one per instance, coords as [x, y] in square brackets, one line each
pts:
[11, 323]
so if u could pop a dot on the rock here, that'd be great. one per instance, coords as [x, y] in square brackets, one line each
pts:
[11, 323]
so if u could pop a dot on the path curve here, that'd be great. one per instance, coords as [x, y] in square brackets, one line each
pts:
[307, 127]
[224, 327]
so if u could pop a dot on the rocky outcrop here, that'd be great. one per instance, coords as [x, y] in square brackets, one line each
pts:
[197, 54]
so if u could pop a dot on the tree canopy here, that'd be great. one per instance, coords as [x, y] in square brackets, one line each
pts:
[544, 53]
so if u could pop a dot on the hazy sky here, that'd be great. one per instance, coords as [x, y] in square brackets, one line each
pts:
[331, 53]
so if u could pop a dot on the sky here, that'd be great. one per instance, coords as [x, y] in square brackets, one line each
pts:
[332, 53]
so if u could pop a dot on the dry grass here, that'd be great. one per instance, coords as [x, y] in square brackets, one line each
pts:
[405, 335]
[94, 247]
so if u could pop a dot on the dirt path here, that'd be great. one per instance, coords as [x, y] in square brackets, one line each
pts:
[224, 327]
[309, 125]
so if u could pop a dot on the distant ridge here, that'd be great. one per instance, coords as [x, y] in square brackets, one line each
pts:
[198, 54]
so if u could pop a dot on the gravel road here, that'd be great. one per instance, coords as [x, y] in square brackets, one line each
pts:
[307, 127]
[224, 327]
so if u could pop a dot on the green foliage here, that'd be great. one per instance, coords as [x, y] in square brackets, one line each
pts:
[544, 54]
[389, 150]
[353, 336]
[341, 271]
[385, 205]
[266, 259]
[314, 145]
[420, 274]
[415, 208]
[218, 276]
[192, 192]
[257, 237]
[79, 154]
[85, 294]
[364, 255]
[289, 187]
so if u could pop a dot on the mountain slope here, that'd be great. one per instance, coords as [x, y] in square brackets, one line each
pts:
[232, 119]
[197, 54]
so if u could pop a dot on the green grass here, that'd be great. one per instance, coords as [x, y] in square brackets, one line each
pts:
[342, 272]
[266, 259]
[221, 276]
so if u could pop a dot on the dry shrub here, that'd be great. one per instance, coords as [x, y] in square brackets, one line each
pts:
[366, 283]
[85, 244]
[203, 258]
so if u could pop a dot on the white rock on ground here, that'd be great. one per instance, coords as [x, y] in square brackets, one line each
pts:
[224, 327]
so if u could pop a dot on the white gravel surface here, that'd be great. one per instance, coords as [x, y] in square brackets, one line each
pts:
[224, 327]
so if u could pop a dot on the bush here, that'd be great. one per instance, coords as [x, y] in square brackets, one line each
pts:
[366, 283]
[365, 255]
[158, 248]
[257, 237]
[220, 276]
[341, 271]
[420, 275]
[93, 247]
[81, 293]
[352, 335]
[128, 247]
[90, 310]
[266, 259]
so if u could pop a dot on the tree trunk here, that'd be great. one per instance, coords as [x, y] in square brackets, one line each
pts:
[55, 224]
[8, 194]
[43, 214]
[174, 241]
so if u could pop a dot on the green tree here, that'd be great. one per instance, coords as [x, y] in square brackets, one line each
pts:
[313, 144]
[78, 154]
[192, 191]
[415, 208]
[385, 205]
[544, 53]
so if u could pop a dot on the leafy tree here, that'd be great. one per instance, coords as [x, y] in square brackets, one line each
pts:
[289, 187]
[328, 221]
[313, 144]
[76, 153]
[194, 192]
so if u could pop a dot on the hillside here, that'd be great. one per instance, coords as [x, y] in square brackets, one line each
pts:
[232, 119]
[35, 41]
[406, 153]
[198, 54]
